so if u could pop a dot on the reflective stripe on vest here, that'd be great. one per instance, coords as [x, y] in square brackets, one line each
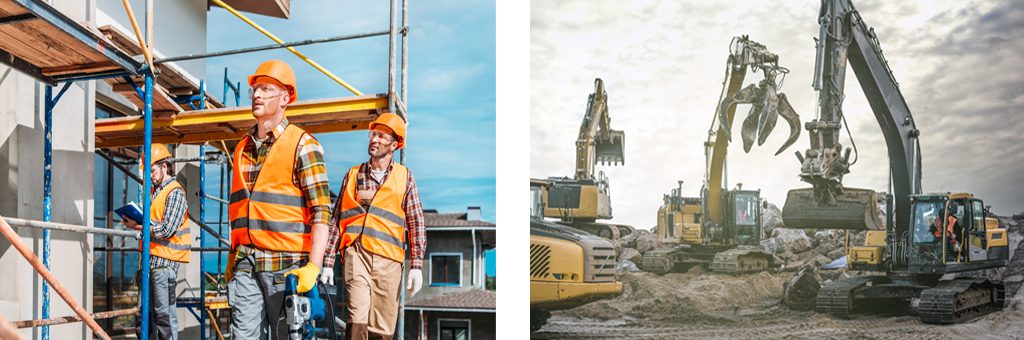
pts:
[273, 216]
[178, 246]
[382, 226]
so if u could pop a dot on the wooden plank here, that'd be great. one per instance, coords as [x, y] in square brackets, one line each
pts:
[24, 50]
[80, 68]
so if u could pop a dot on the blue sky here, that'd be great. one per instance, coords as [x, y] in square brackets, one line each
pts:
[451, 148]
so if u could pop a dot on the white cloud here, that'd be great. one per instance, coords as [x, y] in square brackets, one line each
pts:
[663, 65]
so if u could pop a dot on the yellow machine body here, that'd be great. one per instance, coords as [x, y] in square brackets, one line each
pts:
[566, 272]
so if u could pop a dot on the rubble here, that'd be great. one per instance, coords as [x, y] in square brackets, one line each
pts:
[801, 292]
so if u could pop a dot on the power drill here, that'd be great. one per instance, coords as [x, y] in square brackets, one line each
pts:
[301, 310]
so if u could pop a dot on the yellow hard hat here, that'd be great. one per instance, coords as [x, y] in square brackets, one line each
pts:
[393, 122]
[281, 73]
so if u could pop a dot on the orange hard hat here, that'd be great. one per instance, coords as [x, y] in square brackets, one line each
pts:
[160, 152]
[393, 122]
[280, 72]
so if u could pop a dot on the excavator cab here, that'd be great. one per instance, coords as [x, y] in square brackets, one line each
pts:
[952, 230]
[746, 216]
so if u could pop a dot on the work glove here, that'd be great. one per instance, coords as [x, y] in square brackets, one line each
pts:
[415, 281]
[327, 276]
[307, 276]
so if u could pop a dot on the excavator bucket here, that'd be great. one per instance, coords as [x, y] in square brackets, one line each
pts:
[854, 209]
[610, 149]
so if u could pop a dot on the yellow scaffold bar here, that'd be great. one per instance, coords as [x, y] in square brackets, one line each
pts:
[292, 49]
[314, 116]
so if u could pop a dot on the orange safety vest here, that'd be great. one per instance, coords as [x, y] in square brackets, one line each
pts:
[951, 220]
[273, 216]
[179, 246]
[382, 227]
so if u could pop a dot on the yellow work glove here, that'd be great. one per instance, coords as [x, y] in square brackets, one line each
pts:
[307, 276]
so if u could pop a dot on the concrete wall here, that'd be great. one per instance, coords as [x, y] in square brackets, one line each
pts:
[21, 192]
[180, 28]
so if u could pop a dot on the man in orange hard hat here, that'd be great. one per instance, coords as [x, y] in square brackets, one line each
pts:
[279, 208]
[170, 245]
[378, 215]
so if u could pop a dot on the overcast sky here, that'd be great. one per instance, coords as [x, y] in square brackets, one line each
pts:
[663, 64]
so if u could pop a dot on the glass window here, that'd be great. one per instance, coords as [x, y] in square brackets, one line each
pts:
[445, 269]
[927, 221]
[746, 209]
[454, 329]
[978, 211]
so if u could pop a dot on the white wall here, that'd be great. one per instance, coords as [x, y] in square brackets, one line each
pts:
[21, 192]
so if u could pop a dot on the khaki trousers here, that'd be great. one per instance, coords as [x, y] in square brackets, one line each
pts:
[372, 284]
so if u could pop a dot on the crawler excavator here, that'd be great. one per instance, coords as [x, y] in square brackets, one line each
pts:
[922, 235]
[580, 201]
[722, 228]
[568, 267]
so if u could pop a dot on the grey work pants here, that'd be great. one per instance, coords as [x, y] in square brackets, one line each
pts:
[256, 300]
[163, 315]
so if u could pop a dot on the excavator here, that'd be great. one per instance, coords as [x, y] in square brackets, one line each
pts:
[921, 237]
[568, 267]
[582, 200]
[722, 228]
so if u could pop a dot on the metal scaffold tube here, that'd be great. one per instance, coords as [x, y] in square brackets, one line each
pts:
[74, 318]
[146, 202]
[18, 222]
[37, 264]
[291, 49]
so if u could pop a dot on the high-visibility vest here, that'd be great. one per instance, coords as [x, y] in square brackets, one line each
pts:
[951, 220]
[382, 226]
[273, 216]
[179, 246]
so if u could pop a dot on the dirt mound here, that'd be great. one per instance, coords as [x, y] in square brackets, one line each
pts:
[693, 297]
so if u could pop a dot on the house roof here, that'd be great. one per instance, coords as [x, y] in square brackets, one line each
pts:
[471, 299]
[435, 219]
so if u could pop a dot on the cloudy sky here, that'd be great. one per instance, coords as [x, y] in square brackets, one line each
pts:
[451, 148]
[663, 64]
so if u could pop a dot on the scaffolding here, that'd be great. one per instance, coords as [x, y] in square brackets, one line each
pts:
[45, 44]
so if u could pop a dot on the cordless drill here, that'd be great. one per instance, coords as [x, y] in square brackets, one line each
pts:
[301, 310]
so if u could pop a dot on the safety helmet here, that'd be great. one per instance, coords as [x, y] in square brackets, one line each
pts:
[393, 122]
[160, 152]
[280, 72]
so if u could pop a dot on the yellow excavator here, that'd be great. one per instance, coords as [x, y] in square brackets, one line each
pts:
[721, 229]
[922, 236]
[568, 267]
[580, 201]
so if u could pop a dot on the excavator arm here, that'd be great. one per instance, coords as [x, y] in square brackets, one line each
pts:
[766, 106]
[843, 37]
[597, 142]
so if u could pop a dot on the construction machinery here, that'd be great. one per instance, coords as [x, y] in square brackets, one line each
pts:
[568, 267]
[582, 200]
[922, 236]
[721, 229]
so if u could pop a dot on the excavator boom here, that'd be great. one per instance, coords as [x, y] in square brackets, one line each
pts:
[845, 37]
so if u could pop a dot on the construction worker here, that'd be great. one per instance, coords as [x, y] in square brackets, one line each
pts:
[170, 243]
[378, 214]
[279, 208]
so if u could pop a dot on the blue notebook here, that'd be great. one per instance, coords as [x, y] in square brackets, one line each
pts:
[131, 211]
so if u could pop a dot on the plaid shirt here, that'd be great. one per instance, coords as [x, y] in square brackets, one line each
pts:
[414, 226]
[174, 213]
[310, 177]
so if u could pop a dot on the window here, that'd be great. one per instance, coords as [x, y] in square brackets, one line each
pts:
[446, 269]
[449, 329]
